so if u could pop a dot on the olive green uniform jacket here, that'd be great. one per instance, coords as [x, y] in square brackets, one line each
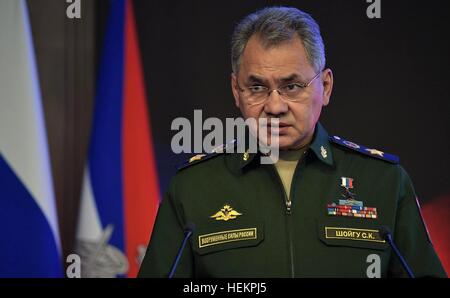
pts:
[246, 227]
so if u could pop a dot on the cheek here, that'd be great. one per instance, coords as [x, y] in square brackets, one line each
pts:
[251, 111]
[301, 112]
[306, 113]
[315, 106]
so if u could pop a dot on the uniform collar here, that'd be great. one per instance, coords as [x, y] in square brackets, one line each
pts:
[241, 158]
[320, 146]
[247, 158]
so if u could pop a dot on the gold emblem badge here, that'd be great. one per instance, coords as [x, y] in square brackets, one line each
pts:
[226, 213]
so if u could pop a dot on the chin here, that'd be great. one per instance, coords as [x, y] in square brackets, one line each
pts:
[284, 143]
[287, 143]
[285, 146]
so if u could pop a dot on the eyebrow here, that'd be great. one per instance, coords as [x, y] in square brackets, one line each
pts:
[255, 79]
[259, 80]
[290, 78]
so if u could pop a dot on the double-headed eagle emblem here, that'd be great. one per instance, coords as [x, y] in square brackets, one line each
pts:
[226, 213]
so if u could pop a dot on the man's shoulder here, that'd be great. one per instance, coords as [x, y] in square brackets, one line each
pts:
[341, 143]
[204, 157]
[195, 160]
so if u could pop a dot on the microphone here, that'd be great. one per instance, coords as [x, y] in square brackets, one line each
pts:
[188, 231]
[386, 234]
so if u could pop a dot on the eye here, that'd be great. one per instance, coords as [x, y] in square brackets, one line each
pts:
[293, 87]
[257, 89]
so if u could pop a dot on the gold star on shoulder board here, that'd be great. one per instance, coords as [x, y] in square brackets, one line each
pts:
[226, 213]
[376, 152]
[196, 157]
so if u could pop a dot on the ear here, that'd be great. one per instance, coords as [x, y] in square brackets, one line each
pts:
[327, 81]
[235, 89]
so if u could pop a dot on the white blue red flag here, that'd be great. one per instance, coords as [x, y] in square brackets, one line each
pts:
[120, 193]
[347, 182]
[30, 244]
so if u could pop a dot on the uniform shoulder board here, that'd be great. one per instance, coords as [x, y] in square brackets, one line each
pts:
[202, 157]
[366, 151]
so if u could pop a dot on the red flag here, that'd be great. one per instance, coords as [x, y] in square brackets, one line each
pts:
[141, 189]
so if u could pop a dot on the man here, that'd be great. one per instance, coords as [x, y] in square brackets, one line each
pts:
[321, 211]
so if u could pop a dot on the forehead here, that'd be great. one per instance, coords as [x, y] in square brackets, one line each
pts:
[286, 58]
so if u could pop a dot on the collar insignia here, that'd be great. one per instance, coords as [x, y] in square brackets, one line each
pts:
[246, 156]
[323, 152]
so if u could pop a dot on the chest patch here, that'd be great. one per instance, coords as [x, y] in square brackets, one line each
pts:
[227, 236]
[353, 234]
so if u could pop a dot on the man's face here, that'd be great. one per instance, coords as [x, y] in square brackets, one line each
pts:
[272, 68]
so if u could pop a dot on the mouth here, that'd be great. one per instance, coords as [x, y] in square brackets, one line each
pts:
[279, 130]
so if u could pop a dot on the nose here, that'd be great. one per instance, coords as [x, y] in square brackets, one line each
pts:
[275, 105]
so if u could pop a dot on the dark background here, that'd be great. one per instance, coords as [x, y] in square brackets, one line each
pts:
[390, 74]
[390, 92]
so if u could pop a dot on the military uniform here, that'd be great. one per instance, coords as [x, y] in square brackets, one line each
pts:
[246, 226]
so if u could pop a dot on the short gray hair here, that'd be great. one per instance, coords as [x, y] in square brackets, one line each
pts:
[275, 25]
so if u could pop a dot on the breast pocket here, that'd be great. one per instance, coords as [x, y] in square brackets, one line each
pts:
[351, 247]
[213, 237]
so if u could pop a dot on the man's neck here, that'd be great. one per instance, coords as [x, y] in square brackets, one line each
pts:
[292, 154]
